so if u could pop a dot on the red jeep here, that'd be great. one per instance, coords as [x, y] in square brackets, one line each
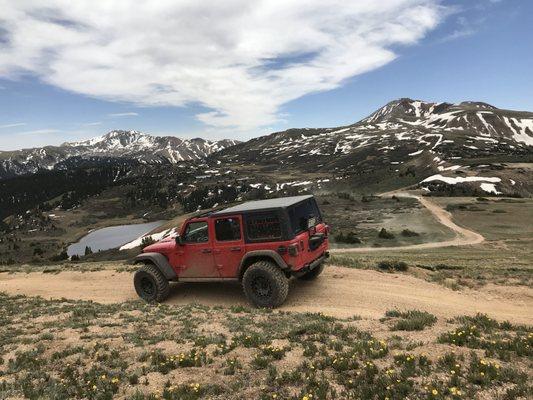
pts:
[259, 243]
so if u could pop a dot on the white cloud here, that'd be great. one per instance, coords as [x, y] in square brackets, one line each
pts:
[12, 125]
[92, 124]
[240, 59]
[125, 114]
[39, 132]
[464, 28]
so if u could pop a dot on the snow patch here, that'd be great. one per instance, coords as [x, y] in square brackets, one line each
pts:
[489, 188]
[520, 134]
[155, 237]
[454, 180]
[452, 168]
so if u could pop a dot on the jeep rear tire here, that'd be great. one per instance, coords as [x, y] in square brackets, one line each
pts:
[313, 274]
[265, 285]
[150, 284]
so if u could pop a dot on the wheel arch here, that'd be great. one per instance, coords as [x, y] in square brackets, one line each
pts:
[159, 261]
[261, 255]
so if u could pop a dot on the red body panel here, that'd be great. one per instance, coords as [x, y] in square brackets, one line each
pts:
[221, 259]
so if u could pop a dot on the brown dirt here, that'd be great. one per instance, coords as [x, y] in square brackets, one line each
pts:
[340, 292]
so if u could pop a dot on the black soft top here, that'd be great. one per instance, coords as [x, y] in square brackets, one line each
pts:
[262, 205]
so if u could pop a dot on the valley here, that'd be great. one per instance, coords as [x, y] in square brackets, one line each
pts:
[427, 293]
[467, 149]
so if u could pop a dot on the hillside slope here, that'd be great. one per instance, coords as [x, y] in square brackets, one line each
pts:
[406, 141]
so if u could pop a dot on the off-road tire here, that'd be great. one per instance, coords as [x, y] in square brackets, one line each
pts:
[313, 274]
[265, 285]
[150, 284]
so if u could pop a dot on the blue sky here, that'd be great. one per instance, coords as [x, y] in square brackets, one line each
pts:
[70, 74]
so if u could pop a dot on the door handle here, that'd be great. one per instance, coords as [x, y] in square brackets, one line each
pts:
[235, 249]
[206, 251]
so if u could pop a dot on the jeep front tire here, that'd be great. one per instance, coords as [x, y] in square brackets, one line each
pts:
[150, 284]
[265, 285]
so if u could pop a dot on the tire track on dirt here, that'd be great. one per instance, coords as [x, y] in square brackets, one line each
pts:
[339, 292]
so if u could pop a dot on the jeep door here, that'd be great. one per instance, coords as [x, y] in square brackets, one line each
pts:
[228, 245]
[195, 255]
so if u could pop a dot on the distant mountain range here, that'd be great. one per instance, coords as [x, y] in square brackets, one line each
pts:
[130, 145]
[399, 132]
[404, 138]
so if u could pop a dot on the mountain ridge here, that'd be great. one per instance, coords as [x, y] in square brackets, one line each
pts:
[134, 145]
[468, 127]
[402, 133]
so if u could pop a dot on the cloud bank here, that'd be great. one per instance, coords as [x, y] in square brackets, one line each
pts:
[240, 60]
[125, 114]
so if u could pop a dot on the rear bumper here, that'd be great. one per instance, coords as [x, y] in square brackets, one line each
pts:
[312, 265]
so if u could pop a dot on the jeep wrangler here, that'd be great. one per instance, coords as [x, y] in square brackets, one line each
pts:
[261, 244]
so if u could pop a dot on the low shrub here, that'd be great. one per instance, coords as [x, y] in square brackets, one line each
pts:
[409, 233]
[368, 199]
[452, 207]
[147, 241]
[384, 234]
[412, 320]
[349, 237]
[392, 265]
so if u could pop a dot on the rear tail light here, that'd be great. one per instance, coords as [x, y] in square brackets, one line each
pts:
[293, 250]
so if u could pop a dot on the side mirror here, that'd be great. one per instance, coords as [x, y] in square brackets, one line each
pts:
[179, 240]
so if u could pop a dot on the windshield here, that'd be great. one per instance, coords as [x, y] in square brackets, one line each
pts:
[304, 215]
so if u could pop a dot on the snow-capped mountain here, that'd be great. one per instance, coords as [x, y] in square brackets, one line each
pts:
[406, 142]
[115, 144]
[396, 133]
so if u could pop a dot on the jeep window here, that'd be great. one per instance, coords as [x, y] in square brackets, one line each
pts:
[196, 232]
[301, 213]
[227, 229]
[263, 227]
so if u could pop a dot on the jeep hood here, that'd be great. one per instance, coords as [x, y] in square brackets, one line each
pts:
[164, 246]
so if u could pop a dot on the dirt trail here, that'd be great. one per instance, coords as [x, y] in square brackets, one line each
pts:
[463, 236]
[340, 292]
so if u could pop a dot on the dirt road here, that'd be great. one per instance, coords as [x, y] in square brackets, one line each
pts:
[463, 236]
[340, 292]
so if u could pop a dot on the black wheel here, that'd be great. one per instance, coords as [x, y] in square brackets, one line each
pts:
[150, 284]
[313, 274]
[265, 284]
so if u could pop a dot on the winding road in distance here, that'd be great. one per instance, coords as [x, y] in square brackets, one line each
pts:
[463, 236]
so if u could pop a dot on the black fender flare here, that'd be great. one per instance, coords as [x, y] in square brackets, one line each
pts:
[160, 261]
[275, 257]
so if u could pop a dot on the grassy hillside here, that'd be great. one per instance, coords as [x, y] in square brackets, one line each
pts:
[505, 257]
